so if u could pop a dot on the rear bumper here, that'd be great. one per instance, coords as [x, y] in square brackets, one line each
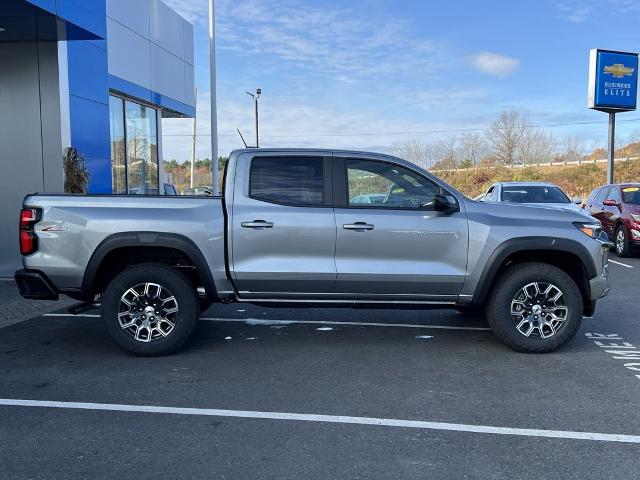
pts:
[35, 285]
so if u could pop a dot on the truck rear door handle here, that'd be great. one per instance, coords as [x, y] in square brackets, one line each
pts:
[358, 226]
[258, 224]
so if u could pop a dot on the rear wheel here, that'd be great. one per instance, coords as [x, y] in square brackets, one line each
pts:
[535, 308]
[150, 309]
[623, 248]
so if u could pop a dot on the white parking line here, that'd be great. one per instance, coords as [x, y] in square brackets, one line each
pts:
[304, 417]
[621, 264]
[262, 321]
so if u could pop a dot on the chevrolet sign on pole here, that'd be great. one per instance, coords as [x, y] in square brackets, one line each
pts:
[613, 87]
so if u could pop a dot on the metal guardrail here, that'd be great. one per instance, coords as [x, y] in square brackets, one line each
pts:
[545, 164]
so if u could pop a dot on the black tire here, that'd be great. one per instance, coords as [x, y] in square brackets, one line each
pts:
[506, 290]
[621, 243]
[154, 341]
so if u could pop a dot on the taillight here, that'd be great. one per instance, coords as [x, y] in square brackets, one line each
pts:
[28, 240]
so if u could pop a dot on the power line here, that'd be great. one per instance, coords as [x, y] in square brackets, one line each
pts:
[416, 132]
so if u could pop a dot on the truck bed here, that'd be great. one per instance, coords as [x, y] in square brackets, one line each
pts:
[74, 226]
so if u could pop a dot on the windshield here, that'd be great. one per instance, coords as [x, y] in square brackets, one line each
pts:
[631, 195]
[533, 194]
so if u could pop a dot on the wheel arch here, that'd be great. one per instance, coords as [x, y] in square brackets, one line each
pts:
[569, 255]
[119, 250]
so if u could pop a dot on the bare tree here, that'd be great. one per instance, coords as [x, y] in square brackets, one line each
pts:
[450, 153]
[422, 154]
[573, 148]
[504, 135]
[535, 146]
[472, 149]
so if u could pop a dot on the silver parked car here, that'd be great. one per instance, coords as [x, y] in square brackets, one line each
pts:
[540, 194]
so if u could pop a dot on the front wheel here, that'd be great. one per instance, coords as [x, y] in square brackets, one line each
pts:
[535, 308]
[150, 309]
[623, 249]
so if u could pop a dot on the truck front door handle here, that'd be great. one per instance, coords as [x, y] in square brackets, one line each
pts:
[258, 224]
[358, 226]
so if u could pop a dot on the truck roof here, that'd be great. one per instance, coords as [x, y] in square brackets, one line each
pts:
[312, 150]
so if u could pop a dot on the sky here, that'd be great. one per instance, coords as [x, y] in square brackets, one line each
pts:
[370, 74]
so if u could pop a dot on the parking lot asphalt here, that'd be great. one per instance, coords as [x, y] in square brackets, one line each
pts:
[324, 393]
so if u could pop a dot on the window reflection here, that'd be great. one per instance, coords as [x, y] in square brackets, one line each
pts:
[134, 147]
[118, 162]
[142, 149]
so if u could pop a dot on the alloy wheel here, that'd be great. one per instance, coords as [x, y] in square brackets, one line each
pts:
[538, 310]
[620, 242]
[148, 312]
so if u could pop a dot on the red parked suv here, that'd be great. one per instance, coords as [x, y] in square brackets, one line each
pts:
[618, 209]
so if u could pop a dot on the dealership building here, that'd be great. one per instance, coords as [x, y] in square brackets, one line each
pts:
[96, 75]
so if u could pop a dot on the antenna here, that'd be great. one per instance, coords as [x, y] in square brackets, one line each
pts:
[242, 138]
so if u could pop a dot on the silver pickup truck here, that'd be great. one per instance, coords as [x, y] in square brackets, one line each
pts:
[314, 226]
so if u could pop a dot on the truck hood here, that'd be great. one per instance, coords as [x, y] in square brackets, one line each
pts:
[535, 211]
[571, 207]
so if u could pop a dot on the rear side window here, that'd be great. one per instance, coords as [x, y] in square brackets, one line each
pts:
[297, 181]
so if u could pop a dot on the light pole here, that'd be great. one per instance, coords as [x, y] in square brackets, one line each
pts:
[193, 144]
[214, 104]
[256, 97]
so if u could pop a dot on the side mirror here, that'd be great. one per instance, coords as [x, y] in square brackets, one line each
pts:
[446, 204]
[577, 200]
[610, 203]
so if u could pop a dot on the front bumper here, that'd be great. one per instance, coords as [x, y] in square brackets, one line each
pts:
[35, 285]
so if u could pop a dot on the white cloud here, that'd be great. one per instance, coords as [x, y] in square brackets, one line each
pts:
[305, 47]
[495, 64]
[579, 11]
[575, 12]
[194, 11]
[337, 42]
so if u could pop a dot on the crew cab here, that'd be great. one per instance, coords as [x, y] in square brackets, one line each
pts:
[290, 227]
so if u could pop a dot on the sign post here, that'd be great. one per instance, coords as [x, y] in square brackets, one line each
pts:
[613, 87]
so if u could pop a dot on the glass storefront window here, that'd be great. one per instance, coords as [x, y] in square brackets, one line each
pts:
[118, 161]
[134, 147]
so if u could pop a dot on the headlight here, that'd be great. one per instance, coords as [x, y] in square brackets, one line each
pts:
[636, 217]
[592, 229]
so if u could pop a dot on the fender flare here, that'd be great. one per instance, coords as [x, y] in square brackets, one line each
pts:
[150, 239]
[517, 245]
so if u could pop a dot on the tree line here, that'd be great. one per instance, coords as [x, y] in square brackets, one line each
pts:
[510, 140]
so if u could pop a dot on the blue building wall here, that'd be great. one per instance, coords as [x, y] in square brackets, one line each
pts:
[85, 23]
[89, 109]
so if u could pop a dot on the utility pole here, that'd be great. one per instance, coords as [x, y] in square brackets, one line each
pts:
[256, 97]
[193, 139]
[611, 149]
[214, 101]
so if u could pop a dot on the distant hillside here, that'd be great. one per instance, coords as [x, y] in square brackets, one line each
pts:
[575, 180]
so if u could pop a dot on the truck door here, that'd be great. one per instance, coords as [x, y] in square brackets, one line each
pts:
[283, 230]
[611, 212]
[396, 247]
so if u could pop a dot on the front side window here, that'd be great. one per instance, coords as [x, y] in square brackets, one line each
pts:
[602, 195]
[384, 185]
[297, 181]
[533, 194]
[614, 194]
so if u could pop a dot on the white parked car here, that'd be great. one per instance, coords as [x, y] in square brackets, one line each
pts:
[531, 193]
